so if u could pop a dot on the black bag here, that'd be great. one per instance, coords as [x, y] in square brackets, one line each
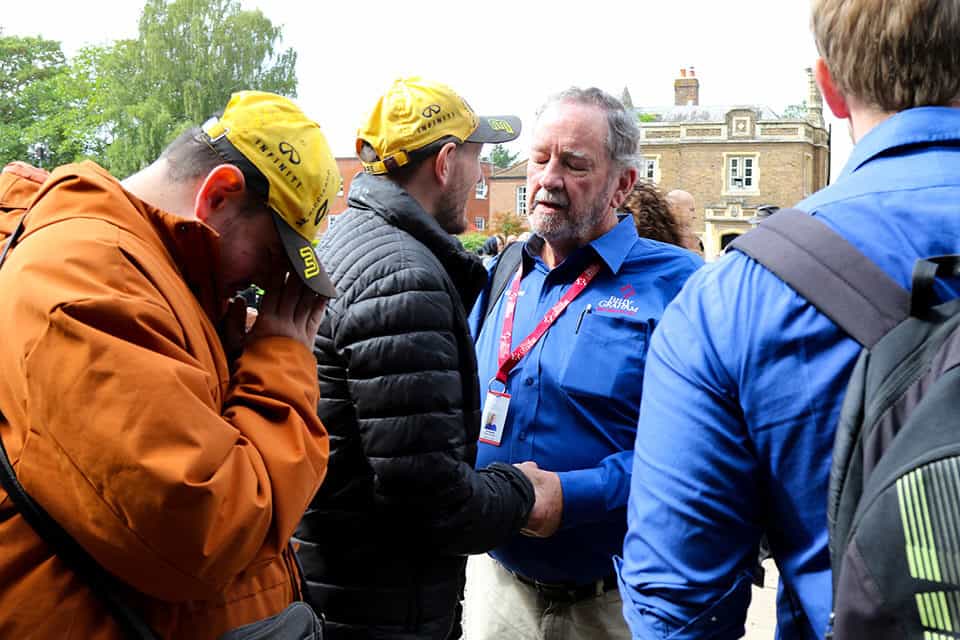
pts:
[503, 271]
[894, 496]
[297, 622]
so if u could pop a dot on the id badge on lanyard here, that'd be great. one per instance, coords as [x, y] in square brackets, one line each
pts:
[497, 403]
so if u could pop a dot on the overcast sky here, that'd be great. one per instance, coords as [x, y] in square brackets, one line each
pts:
[503, 56]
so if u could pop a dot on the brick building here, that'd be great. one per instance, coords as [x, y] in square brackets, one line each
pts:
[733, 158]
[478, 206]
[508, 190]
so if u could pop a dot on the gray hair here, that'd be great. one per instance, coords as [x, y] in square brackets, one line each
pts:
[623, 132]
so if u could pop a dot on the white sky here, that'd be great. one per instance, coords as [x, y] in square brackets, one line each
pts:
[503, 56]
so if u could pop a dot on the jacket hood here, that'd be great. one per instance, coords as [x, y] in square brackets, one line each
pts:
[391, 202]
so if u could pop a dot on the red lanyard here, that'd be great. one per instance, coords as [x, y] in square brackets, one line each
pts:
[510, 360]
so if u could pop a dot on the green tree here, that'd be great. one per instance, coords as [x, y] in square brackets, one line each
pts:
[27, 65]
[501, 157]
[189, 56]
[507, 223]
[473, 240]
[67, 124]
[795, 111]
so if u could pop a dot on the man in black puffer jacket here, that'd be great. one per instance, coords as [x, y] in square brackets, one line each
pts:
[383, 544]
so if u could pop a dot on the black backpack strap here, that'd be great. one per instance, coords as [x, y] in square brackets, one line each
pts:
[510, 259]
[101, 583]
[835, 277]
[12, 238]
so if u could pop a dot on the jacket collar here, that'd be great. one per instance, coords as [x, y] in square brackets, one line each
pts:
[391, 202]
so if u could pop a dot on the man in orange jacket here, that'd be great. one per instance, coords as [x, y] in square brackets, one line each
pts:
[179, 456]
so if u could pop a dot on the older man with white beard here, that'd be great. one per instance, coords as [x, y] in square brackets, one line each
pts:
[563, 350]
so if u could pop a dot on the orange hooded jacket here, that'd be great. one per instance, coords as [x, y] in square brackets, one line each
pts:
[180, 475]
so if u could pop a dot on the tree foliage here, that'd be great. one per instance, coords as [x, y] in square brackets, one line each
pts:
[473, 240]
[28, 66]
[189, 57]
[795, 111]
[507, 223]
[501, 157]
[122, 104]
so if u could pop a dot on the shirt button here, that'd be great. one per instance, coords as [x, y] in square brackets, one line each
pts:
[528, 381]
[523, 435]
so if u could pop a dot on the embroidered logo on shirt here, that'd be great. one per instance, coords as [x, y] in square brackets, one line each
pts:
[627, 291]
[613, 304]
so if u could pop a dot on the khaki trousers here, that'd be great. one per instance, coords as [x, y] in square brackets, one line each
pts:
[497, 606]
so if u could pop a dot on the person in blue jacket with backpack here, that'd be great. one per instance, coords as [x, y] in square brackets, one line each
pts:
[745, 378]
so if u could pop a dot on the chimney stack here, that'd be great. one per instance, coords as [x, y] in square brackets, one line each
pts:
[686, 88]
[814, 101]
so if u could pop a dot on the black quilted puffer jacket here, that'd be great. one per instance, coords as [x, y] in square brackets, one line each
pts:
[383, 541]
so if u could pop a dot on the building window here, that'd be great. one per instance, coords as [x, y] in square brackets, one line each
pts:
[741, 173]
[522, 200]
[481, 192]
[649, 169]
[480, 223]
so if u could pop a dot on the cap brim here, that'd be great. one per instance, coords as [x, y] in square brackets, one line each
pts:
[496, 129]
[304, 260]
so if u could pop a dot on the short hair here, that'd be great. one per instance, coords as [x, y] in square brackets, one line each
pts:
[651, 214]
[891, 54]
[623, 132]
[189, 157]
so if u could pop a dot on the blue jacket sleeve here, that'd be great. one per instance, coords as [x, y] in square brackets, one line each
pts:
[693, 530]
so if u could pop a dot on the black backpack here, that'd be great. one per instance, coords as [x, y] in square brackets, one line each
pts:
[503, 271]
[893, 511]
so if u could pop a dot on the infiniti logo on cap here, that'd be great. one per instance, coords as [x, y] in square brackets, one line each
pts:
[287, 149]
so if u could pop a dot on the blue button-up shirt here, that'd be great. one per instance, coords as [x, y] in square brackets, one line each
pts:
[576, 395]
[742, 393]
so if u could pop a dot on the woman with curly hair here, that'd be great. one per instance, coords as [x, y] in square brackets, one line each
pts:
[651, 214]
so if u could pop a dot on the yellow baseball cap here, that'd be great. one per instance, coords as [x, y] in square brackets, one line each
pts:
[285, 159]
[416, 112]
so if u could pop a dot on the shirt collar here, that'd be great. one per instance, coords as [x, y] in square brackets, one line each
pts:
[921, 125]
[613, 247]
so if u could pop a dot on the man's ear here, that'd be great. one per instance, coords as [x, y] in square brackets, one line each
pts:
[625, 182]
[835, 100]
[443, 164]
[222, 184]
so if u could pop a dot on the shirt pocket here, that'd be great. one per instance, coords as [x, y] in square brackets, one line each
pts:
[606, 361]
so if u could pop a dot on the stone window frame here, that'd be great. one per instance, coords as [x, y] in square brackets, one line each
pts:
[646, 161]
[728, 188]
[521, 199]
[482, 189]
